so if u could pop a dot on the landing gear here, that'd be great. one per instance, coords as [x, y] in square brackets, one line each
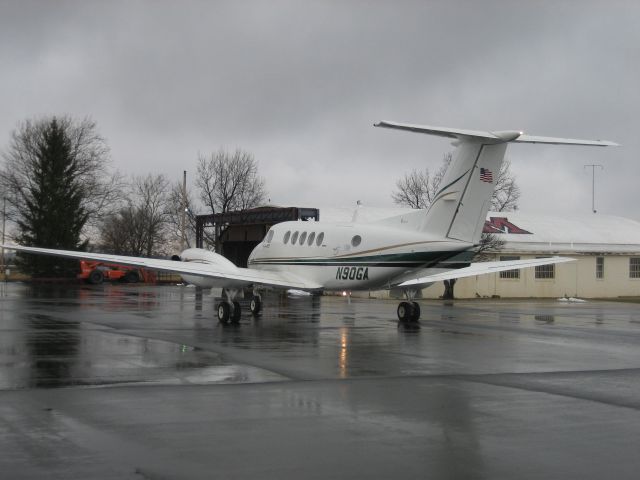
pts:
[409, 311]
[229, 312]
[224, 312]
[229, 309]
[237, 313]
[256, 305]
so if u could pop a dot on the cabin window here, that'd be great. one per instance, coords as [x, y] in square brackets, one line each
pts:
[320, 239]
[286, 237]
[356, 240]
[269, 236]
[294, 238]
[513, 274]
[312, 237]
[303, 237]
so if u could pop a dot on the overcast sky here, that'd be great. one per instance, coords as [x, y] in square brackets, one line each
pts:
[299, 84]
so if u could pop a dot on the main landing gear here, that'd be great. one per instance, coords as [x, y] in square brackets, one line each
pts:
[228, 310]
[409, 311]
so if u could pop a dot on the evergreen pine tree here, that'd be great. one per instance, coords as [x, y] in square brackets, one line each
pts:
[53, 216]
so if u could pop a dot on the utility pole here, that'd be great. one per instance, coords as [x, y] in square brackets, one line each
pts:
[184, 211]
[4, 216]
[593, 184]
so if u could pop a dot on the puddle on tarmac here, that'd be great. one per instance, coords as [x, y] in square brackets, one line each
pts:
[43, 353]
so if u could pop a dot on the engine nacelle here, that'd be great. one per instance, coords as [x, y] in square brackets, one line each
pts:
[200, 255]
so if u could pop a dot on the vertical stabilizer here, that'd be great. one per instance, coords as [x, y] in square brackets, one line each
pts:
[460, 207]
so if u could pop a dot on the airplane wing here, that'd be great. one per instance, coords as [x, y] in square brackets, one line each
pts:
[236, 277]
[482, 268]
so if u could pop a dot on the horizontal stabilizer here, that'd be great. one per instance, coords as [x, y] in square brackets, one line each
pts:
[491, 137]
[564, 141]
[482, 268]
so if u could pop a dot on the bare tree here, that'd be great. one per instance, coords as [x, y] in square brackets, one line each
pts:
[228, 182]
[178, 201]
[140, 227]
[506, 193]
[418, 188]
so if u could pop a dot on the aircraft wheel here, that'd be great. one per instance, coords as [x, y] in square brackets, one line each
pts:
[415, 312]
[224, 312]
[256, 305]
[237, 312]
[96, 277]
[404, 311]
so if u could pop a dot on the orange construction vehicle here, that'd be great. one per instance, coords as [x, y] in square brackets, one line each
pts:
[97, 272]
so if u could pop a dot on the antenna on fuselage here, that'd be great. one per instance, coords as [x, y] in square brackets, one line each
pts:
[354, 219]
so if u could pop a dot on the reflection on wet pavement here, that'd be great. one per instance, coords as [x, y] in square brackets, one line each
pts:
[123, 335]
[47, 347]
[314, 388]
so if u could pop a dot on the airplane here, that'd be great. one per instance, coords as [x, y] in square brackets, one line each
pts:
[406, 252]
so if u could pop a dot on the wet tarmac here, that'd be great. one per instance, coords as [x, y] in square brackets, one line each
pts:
[140, 382]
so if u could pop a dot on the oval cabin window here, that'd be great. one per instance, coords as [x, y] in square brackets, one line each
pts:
[355, 241]
[312, 237]
[294, 238]
[320, 239]
[286, 237]
[269, 236]
[303, 237]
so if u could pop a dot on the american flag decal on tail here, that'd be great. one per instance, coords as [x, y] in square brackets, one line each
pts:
[486, 175]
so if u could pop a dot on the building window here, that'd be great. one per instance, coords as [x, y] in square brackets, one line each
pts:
[600, 268]
[634, 267]
[514, 274]
[545, 271]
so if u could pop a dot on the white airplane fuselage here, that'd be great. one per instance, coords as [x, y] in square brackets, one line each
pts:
[346, 256]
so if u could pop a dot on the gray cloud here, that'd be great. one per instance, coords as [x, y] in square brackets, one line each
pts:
[301, 83]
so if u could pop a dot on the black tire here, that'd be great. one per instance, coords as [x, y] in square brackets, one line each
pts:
[237, 312]
[132, 277]
[255, 306]
[415, 312]
[224, 312]
[404, 311]
[96, 277]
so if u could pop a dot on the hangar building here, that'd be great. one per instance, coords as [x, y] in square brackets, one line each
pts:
[606, 250]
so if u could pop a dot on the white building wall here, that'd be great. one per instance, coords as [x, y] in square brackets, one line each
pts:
[574, 279]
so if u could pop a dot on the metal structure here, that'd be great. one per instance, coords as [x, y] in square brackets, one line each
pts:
[593, 184]
[237, 233]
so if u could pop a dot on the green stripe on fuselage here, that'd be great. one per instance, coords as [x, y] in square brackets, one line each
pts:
[408, 259]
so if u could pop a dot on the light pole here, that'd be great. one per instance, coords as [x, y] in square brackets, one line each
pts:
[184, 211]
[4, 216]
[593, 184]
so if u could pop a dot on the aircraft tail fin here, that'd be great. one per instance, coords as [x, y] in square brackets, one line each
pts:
[460, 207]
